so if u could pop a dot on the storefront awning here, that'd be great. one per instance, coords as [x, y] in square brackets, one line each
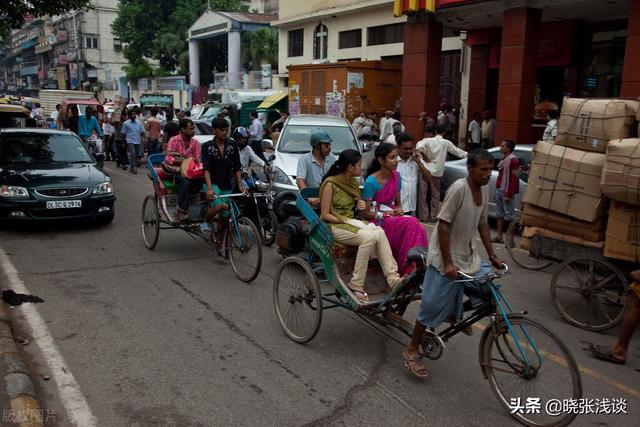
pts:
[272, 100]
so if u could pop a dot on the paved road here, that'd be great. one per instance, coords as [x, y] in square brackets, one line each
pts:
[171, 337]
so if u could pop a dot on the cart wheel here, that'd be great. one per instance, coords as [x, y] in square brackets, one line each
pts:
[268, 229]
[244, 249]
[150, 222]
[514, 244]
[589, 293]
[297, 299]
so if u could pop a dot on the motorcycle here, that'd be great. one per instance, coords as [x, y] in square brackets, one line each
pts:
[259, 205]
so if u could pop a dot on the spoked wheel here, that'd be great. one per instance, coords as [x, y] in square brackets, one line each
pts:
[268, 229]
[297, 299]
[150, 222]
[244, 249]
[548, 373]
[517, 249]
[589, 293]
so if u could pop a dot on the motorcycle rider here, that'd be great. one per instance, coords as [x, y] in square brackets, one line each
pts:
[241, 137]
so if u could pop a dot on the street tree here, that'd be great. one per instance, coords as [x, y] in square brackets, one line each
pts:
[13, 12]
[157, 29]
[261, 46]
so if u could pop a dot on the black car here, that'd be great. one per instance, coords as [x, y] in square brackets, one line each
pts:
[49, 174]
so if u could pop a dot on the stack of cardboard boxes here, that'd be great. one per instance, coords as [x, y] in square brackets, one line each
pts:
[596, 158]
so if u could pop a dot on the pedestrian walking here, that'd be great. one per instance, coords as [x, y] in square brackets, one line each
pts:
[411, 167]
[255, 135]
[452, 128]
[122, 158]
[107, 140]
[387, 115]
[170, 130]
[630, 322]
[153, 127]
[133, 132]
[507, 186]
[488, 130]
[423, 186]
[474, 133]
[436, 149]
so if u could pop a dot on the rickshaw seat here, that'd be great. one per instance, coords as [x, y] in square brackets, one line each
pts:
[418, 255]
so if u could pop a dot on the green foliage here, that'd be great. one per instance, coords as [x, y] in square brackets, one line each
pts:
[157, 29]
[261, 46]
[13, 11]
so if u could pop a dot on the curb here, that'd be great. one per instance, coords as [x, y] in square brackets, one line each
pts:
[25, 409]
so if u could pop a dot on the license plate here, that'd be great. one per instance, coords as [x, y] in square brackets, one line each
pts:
[64, 204]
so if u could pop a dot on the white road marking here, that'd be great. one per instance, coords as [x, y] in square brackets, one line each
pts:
[72, 398]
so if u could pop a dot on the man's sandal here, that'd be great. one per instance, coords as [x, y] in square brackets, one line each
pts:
[360, 295]
[604, 353]
[413, 364]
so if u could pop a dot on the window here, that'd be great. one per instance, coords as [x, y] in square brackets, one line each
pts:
[320, 36]
[385, 34]
[296, 42]
[92, 42]
[348, 39]
[117, 44]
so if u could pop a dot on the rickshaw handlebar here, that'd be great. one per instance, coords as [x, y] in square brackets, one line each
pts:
[489, 276]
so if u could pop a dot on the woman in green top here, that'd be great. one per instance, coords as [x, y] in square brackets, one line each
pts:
[339, 199]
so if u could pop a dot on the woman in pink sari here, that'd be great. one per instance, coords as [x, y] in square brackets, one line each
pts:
[382, 193]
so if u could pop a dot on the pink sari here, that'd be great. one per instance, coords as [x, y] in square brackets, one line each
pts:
[403, 232]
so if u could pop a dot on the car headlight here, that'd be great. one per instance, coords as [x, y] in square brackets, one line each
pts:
[13, 192]
[102, 189]
[280, 177]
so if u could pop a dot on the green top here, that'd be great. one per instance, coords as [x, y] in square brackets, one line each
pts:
[344, 205]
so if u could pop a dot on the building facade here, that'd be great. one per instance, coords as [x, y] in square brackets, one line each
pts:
[350, 30]
[72, 51]
[519, 54]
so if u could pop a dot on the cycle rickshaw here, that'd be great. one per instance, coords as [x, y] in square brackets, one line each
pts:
[241, 241]
[516, 354]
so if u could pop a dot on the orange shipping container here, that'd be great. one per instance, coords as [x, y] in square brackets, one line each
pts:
[347, 88]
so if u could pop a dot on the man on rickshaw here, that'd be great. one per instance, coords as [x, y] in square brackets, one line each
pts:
[452, 249]
[181, 148]
[221, 164]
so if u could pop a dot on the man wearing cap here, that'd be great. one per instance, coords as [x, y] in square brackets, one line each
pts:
[314, 165]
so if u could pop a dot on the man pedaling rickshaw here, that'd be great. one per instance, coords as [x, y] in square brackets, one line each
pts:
[221, 164]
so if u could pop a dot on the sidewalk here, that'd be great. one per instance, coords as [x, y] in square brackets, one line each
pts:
[18, 402]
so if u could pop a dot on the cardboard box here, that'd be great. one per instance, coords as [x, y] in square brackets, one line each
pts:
[567, 181]
[533, 216]
[530, 232]
[623, 232]
[589, 124]
[621, 173]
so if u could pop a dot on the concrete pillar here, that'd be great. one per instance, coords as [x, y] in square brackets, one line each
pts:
[420, 71]
[194, 62]
[631, 67]
[234, 58]
[518, 67]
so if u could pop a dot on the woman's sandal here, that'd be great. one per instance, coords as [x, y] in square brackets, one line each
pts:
[412, 363]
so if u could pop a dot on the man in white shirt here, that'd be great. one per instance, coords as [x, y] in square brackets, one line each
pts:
[383, 121]
[56, 114]
[256, 132]
[436, 149]
[474, 132]
[410, 167]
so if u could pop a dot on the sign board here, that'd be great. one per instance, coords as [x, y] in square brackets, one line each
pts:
[294, 98]
[355, 81]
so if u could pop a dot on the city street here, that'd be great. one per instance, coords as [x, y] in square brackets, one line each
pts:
[171, 337]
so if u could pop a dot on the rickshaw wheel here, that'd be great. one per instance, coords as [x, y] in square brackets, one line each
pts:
[519, 255]
[297, 299]
[244, 249]
[589, 293]
[150, 222]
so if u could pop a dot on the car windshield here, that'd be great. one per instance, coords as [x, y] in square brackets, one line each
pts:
[295, 139]
[36, 148]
